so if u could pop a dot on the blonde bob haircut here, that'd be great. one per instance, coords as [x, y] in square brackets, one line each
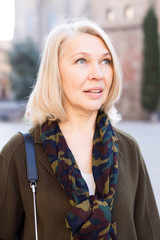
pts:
[46, 99]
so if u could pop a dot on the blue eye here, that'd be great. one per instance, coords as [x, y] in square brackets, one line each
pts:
[106, 61]
[81, 61]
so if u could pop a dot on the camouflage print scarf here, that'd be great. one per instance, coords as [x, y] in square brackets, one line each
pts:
[91, 216]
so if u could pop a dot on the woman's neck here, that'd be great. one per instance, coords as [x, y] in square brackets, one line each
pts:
[79, 122]
[78, 131]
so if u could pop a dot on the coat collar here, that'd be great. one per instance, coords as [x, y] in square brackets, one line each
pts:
[36, 134]
[37, 137]
[42, 155]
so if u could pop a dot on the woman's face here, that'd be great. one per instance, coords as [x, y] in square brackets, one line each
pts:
[86, 73]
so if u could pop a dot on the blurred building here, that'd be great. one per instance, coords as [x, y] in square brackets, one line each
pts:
[5, 90]
[122, 20]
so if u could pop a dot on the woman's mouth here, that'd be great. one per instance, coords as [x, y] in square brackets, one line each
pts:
[94, 93]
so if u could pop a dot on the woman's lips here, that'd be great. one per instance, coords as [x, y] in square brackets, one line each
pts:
[94, 92]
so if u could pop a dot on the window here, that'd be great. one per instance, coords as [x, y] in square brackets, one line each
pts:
[129, 12]
[110, 15]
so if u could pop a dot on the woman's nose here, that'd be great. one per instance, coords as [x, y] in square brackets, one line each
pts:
[95, 72]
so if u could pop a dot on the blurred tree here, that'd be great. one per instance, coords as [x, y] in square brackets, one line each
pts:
[24, 60]
[151, 66]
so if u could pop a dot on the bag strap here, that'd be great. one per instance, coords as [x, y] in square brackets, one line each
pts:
[32, 173]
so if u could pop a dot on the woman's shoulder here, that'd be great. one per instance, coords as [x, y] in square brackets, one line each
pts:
[124, 136]
[14, 145]
[129, 151]
[126, 142]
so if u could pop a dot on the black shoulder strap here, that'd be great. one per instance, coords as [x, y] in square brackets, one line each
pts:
[32, 172]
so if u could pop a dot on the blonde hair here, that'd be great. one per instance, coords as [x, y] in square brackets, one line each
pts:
[45, 101]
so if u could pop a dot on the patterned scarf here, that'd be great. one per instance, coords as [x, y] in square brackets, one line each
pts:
[91, 216]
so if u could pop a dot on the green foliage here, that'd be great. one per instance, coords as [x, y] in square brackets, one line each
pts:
[24, 60]
[151, 66]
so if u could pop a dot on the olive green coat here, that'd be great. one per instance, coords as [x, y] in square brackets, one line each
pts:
[134, 211]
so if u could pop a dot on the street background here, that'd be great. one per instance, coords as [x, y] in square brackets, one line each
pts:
[147, 135]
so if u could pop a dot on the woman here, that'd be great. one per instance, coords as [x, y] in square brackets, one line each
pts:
[92, 183]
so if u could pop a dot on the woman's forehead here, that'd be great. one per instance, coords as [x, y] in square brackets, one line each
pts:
[84, 42]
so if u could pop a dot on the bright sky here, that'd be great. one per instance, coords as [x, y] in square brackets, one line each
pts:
[6, 20]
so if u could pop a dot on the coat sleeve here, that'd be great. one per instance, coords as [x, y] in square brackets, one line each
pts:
[146, 217]
[11, 208]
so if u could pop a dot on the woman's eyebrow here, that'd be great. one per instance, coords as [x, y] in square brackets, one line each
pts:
[106, 54]
[80, 53]
[88, 54]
